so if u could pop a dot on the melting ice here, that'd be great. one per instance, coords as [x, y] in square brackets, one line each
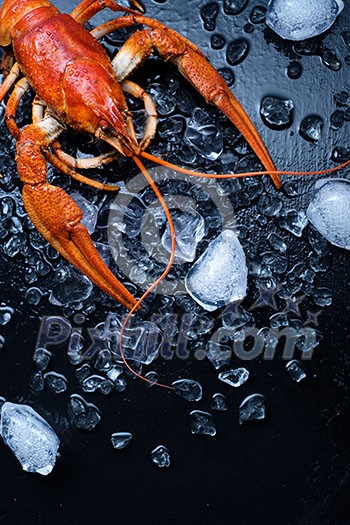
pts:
[219, 276]
[30, 438]
[301, 19]
[189, 230]
[329, 211]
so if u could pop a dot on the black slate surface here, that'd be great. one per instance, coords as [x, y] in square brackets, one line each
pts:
[293, 468]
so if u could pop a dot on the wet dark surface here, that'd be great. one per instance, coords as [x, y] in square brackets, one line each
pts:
[292, 468]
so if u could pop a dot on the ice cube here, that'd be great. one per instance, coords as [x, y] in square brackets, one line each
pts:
[103, 361]
[218, 354]
[161, 456]
[75, 288]
[121, 439]
[84, 415]
[90, 211]
[153, 377]
[298, 20]
[252, 408]
[96, 383]
[75, 347]
[234, 376]
[42, 358]
[203, 135]
[296, 372]
[188, 389]
[329, 211]
[57, 383]
[189, 230]
[37, 382]
[219, 276]
[30, 437]
[219, 403]
[202, 423]
[140, 343]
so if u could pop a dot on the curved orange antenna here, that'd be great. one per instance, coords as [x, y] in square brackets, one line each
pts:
[164, 274]
[186, 171]
[160, 197]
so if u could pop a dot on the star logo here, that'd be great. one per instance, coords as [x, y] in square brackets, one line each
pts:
[267, 297]
[312, 317]
[292, 305]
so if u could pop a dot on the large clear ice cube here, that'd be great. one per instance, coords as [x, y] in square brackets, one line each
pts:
[301, 19]
[219, 276]
[329, 211]
[30, 437]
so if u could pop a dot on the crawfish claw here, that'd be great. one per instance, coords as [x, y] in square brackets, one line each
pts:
[58, 219]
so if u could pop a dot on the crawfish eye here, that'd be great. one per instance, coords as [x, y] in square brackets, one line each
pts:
[104, 125]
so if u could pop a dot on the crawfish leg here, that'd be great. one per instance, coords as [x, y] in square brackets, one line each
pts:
[7, 62]
[89, 8]
[82, 164]
[64, 162]
[10, 79]
[192, 65]
[152, 119]
[56, 215]
[20, 89]
[62, 166]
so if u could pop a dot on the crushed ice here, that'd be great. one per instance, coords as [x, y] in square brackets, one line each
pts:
[161, 456]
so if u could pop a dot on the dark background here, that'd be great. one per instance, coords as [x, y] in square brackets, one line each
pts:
[293, 468]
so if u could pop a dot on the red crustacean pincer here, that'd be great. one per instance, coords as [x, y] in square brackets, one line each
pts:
[77, 85]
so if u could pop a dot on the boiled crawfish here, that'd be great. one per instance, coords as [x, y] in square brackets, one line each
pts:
[77, 85]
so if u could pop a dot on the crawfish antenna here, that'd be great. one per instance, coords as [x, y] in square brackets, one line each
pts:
[153, 286]
[186, 171]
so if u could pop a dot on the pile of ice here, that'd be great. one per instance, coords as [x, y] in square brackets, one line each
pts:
[219, 276]
[329, 211]
[30, 437]
[301, 19]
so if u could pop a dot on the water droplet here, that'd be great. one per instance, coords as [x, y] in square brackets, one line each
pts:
[248, 28]
[337, 119]
[237, 51]
[330, 60]
[6, 313]
[341, 98]
[227, 75]
[217, 41]
[276, 112]
[294, 70]
[209, 12]
[340, 154]
[234, 7]
[311, 128]
[258, 14]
